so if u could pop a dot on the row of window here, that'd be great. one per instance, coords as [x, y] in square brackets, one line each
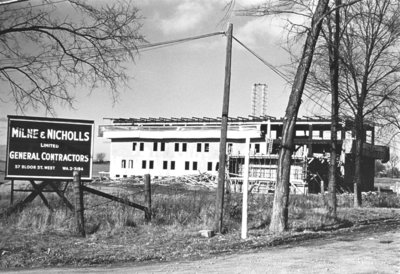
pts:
[205, 147]
[168, 165]
[200, 147]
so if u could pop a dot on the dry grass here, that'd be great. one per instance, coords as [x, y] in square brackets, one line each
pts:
[118, 233]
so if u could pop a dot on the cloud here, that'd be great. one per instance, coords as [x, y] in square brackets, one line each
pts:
[272, 29]
[187, 16]
[259, 29]
[249, 3]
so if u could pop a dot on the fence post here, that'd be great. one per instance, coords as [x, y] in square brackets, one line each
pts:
[79, 208]
[12, 192]
[147, 196]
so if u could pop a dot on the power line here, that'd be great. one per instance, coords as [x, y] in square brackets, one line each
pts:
[277, 71]
[176, 41]
[150, 46]
[16, 61]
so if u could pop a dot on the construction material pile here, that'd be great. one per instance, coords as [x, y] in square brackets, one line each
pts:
[198, 180]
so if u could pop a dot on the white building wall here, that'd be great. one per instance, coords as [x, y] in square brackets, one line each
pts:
[203, 160]
[197, 161]
[186, 162]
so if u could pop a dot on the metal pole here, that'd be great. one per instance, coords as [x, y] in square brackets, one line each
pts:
[245, 188]
[224, 128]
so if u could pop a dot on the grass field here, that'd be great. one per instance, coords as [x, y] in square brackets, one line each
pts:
[118, 233]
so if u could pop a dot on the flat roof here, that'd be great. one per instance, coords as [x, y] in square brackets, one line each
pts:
[203, 121]
[184, 120]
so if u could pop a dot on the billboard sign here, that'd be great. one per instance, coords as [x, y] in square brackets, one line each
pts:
[48, 148]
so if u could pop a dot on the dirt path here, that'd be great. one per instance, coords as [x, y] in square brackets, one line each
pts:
[366, 252]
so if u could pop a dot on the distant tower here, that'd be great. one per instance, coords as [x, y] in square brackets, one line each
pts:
[259, 100]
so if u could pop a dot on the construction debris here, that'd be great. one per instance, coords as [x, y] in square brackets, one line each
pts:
[201, 180]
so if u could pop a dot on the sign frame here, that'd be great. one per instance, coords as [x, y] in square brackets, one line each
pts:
[67, 142]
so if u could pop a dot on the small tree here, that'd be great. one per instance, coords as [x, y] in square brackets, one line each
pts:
[44, 52]
[379, 167]
[100, 157]
[394, 161]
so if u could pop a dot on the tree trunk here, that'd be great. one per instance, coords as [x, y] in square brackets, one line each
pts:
[334, 72]
[359, 132]
[279, 216]
[357, 173]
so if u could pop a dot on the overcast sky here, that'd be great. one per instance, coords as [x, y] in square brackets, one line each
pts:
[187, 80]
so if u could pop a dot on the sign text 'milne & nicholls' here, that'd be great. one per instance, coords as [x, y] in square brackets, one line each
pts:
[50, 134]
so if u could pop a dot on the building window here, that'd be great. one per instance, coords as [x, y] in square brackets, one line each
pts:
[257, 148]
[198, 147]
[172, 165]
[316, 134]
[165, 164]
[155, 145]
[144, 164]
[206, 147]
[194, 165]
[209, 166]
[125, 176]
[134, 146]
[176, 146]
[162, 147]
[130, 164]
[187, 165]
[151, 164]
[141, 146]
[230, 148]
[217, 166]
[117, 175]
[123, 164]
[184, 147]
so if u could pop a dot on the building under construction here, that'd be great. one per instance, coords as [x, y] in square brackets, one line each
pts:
[185, 146]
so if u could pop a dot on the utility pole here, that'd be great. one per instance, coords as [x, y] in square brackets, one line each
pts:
[334, 74]
[219, 208]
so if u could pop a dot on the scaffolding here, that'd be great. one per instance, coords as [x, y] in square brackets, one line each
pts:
[263, 174]
[259, 100]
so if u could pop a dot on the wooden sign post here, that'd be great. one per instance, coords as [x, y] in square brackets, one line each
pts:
[147, 196]
[79, 208]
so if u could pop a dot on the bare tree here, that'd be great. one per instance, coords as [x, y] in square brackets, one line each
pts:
[279, 216]
[369, 68]
[333, 49]
[49, 48]
[279, 219]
